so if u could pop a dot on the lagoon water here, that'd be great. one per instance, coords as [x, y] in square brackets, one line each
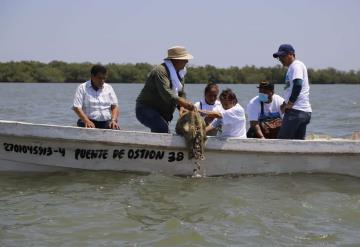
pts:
[118, 209]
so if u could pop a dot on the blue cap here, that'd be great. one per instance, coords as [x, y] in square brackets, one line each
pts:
[284, 49]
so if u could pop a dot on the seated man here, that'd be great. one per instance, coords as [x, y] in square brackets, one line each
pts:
[265, 106]
[231, 119]
[210, 103]
[95, 102]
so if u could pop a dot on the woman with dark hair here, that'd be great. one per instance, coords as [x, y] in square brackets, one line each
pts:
[231, 119]
[210, 102]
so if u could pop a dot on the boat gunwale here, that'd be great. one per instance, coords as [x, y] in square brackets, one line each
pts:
[171, 141]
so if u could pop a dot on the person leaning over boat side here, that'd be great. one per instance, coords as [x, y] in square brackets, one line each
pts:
[210, 102]
[163, 91]
[95, 102]
[266, 105]
[231, 119]
[297, 106]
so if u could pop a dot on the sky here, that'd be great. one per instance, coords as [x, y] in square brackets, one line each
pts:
[222, 33]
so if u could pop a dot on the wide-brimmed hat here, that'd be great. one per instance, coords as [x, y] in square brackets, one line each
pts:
[179, 53]
[266, 85]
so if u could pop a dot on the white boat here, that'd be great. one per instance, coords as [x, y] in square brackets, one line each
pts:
[30, 147]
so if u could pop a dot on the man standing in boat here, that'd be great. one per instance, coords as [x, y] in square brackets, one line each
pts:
[95, 102]
[163, 91]
[297, 106]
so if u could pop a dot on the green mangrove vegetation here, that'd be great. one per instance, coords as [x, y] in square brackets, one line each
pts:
[58, 71]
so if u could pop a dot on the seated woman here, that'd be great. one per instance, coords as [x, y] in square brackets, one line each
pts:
[231, 118]
[210, 102]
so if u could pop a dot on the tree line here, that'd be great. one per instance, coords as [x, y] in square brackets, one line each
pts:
[58, 71]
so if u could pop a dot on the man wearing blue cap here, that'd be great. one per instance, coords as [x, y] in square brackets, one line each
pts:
[297, 106]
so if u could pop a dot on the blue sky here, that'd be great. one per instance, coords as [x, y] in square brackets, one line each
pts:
[221, 33]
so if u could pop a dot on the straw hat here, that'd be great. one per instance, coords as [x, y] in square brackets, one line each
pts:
[179, 53]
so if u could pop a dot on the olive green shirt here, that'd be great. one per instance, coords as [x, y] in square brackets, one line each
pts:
[157, 93]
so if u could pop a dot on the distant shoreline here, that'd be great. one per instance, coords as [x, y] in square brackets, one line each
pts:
[61, 72]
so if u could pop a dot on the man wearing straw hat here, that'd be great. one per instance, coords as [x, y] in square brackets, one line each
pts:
[163, 91]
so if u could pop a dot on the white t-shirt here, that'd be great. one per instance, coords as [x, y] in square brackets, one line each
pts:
[271, 110]
[202, 105]
[95, 104]
[233, 122]
[297, 70]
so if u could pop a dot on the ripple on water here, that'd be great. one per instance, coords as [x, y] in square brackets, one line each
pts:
[109, 208]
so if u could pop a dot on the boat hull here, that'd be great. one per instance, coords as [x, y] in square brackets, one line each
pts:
[30, 147]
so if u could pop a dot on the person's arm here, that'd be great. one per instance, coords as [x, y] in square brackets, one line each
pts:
[297, 86]
[163, 83]
[185, 104]
[182, 111]
[283, 107]
[114, 117]
[280, 104]
[211, 114]
[255, 125]
[114, 109]
[182, 94]
[213, 125]
[209, 128]
[77, 106]
[83, 117]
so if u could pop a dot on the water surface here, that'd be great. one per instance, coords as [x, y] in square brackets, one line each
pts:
[335, 107]
[123, 209]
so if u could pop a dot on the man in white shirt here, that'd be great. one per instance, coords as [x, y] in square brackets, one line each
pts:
[297, 104]
[265, 106]
[95, 102]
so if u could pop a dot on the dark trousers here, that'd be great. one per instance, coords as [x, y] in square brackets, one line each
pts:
[152, 119]
[294, 125]
[98, 124]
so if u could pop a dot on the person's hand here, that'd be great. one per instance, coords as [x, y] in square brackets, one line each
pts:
[186, 104]
[189, 106]
[285, 107]
[89, 124]
[289, 105]
[114, 125]
[182, 111]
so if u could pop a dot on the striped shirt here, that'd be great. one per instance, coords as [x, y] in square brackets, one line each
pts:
[95, 104]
